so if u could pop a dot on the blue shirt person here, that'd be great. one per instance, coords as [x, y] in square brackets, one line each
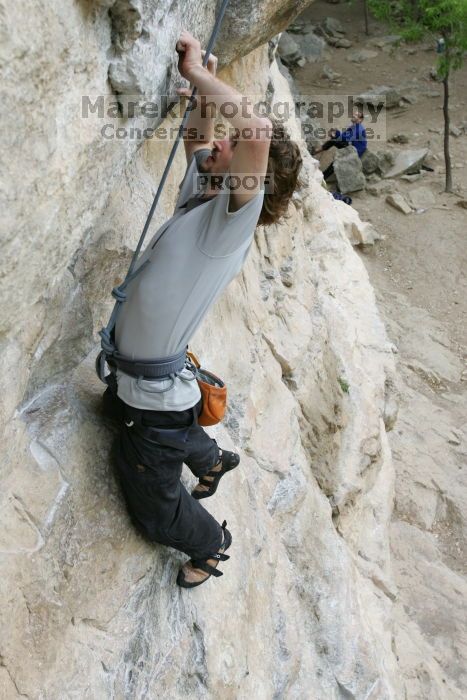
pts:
[354, 135]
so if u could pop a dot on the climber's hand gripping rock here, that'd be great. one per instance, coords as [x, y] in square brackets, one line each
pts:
[190, 54]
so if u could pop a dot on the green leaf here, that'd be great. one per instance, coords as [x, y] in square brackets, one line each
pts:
[344, 385]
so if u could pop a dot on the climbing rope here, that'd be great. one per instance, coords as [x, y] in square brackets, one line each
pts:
[119, 294]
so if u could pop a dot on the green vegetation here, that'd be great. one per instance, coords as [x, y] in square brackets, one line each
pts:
[443, 21]
[344, 385]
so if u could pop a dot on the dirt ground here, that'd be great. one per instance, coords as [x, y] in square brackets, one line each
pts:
[419, 275]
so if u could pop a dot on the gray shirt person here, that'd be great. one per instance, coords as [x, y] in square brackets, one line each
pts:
[204, 246]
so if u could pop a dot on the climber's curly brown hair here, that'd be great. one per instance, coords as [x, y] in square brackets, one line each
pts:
[284, 165]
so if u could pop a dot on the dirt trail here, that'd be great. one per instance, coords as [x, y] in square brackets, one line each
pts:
[419, 274]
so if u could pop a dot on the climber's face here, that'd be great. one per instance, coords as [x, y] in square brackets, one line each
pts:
[221, 155]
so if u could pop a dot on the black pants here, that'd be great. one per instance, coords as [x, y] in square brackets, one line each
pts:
[148, 455]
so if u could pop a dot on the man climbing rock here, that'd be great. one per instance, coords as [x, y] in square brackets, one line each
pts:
[188, 263]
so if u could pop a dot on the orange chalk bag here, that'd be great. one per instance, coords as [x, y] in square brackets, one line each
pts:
[214, 394]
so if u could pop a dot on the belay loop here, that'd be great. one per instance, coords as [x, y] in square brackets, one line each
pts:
[108, 347]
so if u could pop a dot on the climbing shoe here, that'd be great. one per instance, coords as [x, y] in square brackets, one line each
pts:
[203, 565]
[227, 462]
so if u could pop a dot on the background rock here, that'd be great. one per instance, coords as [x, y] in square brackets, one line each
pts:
[399, 138]
[399, 202]
[311, 46]
[289, 50]
[386, 160]
[332, 26]
[370, 162]
[421, 197]
[326, 158]
[407, 162]
[362, 55]
[381, 187]
[143, 60]
[330, 74]
[348, 170]
[382, 41]
[382, 95]
[340, 43]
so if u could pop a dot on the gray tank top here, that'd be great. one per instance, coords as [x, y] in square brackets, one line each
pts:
[203, 247]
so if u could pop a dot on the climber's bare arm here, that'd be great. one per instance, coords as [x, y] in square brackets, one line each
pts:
[254, 132]
[199, 129]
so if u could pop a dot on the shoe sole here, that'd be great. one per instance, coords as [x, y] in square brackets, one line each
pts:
[186, 584]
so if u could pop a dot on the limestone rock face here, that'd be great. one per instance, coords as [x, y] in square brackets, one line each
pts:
[304, 608]
[143, 60]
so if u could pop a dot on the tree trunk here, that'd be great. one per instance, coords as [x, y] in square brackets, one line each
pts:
[365, 8]
[447, 156]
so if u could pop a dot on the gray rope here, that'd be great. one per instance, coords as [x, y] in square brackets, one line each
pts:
[119, 293]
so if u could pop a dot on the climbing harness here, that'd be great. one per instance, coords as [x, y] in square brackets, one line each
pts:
[161, 367]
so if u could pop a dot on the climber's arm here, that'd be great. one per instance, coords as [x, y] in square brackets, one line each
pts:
[251, 153]
[254, 134]
[252, 150]
[199, 129]
[217, 93]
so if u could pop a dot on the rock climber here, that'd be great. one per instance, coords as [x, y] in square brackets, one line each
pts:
[353, 135]
[204, 246]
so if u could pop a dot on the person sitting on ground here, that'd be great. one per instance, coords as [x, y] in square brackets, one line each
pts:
[354, 135]
[192, 257]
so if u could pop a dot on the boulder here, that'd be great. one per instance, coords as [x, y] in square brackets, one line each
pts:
[370, 162]
[327, 157]
[341, 43]
[329, 73]
[310, 45]
[289, 51]
[332, 26]
[361, 55]
[299, 26]
[385, 161]
[362, 235]
[386, 40]
[410, 99]
[348, 170]
[455, 131]
[382, 187]
[247, 24]
[383, 95]
[407, 162]
[421, 198]
[142, 60]
[399, 202]
[412, 178]
[399, 138]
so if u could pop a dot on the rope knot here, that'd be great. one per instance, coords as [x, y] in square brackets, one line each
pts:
[107, 344]
[119, 294]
